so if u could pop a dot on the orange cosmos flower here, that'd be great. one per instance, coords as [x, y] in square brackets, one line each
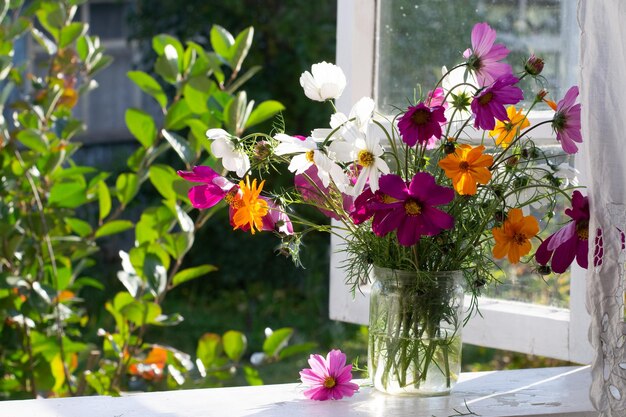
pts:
[250, 208]
[508, 129]
[466, 167]
[513, 237]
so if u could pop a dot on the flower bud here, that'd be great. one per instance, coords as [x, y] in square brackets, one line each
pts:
[262, 150]
[544, 270]
[533, 66]
[450, 146]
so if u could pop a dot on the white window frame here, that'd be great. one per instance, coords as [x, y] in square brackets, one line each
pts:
[528, 328]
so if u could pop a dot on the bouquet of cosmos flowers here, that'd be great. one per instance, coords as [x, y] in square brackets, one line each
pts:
[443, 185]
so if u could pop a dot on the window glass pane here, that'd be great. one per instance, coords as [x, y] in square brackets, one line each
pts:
[417, 37]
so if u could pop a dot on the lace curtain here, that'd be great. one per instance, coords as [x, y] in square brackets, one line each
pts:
[603, 94]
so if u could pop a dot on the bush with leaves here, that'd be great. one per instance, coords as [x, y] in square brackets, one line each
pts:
[46, 241]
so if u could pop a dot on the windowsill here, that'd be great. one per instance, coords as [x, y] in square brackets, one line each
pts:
[550, 392]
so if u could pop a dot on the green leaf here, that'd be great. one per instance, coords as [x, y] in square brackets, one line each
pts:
[159, 42]
[134, 161]
[70, 33]
[180, 145]
[44, 41]
[121, 300]
[275, 342]
[113, 227]
[142, 126]
[177, 244]
[69, 194]
[209, 348]
[252, 375]
[104, 199]
[155, 273]
[197, 91]
[297, 349]
[163, 177]
[263, 112]
[177, 114]
[222, 42]
[171, 320]
[51, 17]
[242, 79]
[33, 139]
[167, 64]
[78, 226]
[241, 48]
[192, 273]
[127, 186]
[153, 224]
[235, 344]
[141, 312]
[149, 85]
[236, 113]
[88, 282]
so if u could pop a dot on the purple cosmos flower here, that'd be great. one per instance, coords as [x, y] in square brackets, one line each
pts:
[316, 193]
[410, 209]
[328, 378]
[369, 203]
[569, 242]
[214, 189]
[566, 122]
[483, 56]
[420, 123]
[490, 104]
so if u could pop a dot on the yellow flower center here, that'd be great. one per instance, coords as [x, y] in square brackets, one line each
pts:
[582, 230]
[421, 117]
[485, 98]
[412, 207]
[329, 382]
[387, 199]
[365, 158]
[309, 156]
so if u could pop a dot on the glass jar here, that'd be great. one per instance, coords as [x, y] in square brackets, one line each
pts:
[415, 328]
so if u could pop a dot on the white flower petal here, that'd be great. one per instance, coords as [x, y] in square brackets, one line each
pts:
[325, 81]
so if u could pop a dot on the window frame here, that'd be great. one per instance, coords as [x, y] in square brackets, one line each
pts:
[523, 327]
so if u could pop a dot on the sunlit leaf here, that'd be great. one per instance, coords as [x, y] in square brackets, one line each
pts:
[113, 227]
[192, 273]
[149, 85]
[235, 344]
[277, 341]
[104, 200]
[263, 112]
[142, 126]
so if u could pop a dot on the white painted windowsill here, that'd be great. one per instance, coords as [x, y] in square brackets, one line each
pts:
[553, 392]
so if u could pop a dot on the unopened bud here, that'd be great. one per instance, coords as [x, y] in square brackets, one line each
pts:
[534, 65]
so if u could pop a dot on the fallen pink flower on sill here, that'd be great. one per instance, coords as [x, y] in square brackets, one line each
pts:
[329, 379]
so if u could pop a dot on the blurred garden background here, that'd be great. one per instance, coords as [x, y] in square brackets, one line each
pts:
[252, 288]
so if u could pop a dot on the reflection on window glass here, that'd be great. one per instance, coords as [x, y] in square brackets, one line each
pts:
[417, 37]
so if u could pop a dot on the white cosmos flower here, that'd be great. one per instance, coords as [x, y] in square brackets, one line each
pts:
[233, 159]
[366, 151]
[456, 83]
[564, 171]
[307, 153]
[324, 82]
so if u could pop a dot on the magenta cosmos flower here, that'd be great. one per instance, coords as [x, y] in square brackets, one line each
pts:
[421, 123]
[490, 103]
[569, 242]
[566, 122]
[483, 56]
[212, 191]
[411, 209]
[329, 379]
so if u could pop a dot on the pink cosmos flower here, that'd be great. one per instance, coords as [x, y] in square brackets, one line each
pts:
[421, 123]
[276, 219]
[316, 193]
[566, 122]
[490, 103]
[569, 242]
[214, 189]
[328, 378]
[483, 56]
[411, 209]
